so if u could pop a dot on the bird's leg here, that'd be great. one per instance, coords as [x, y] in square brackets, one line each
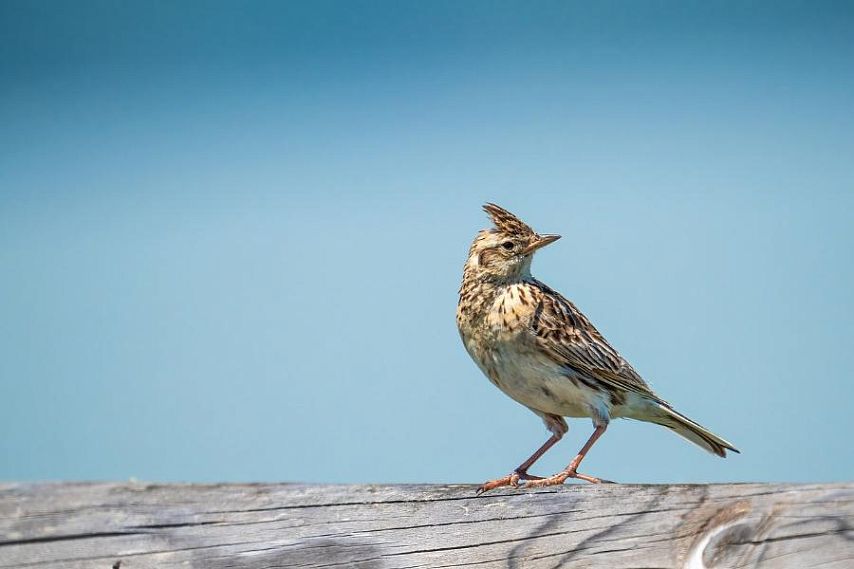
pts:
[521, 472]
[571, 470]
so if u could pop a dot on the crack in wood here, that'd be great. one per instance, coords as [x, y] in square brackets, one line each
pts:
[69, 537]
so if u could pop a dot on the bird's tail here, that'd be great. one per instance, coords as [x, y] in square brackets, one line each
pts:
[694, 432]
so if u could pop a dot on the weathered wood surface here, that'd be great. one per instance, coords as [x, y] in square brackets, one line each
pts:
[72, 526]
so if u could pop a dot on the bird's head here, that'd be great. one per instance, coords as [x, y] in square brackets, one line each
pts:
[504, 252]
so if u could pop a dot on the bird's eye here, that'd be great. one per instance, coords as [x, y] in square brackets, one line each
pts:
[508, 245]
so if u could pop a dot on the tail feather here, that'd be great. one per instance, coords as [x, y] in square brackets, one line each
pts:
[694, 432]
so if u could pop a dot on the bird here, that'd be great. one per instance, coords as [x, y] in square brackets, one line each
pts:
[543, 352]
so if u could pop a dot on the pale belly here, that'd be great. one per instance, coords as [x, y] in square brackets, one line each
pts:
[538, 383]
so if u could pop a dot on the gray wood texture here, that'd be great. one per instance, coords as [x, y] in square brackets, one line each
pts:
[137, 525]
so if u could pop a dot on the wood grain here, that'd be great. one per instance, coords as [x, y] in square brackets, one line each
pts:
[136, 525]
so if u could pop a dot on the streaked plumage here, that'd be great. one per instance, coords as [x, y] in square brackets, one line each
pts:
[538, 348]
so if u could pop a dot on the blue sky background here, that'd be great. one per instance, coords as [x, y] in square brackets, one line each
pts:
[231, 234]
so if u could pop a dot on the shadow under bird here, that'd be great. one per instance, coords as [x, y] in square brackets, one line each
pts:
[539, 349]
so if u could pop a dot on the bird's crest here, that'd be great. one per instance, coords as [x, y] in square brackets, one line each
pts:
[506, 222]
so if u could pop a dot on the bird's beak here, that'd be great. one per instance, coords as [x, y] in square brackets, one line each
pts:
[541, 241]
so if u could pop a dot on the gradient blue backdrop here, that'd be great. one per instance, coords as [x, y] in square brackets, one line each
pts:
[231, 234]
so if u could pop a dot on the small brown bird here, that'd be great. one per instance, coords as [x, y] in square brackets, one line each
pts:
[539, 349]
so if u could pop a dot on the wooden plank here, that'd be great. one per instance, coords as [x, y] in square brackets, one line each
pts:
[136, 525]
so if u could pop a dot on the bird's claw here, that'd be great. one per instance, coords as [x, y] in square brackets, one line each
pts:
[513, 479]
[561, 477]
[509, 480]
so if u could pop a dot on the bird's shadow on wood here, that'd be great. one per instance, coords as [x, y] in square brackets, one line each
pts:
[517, 558]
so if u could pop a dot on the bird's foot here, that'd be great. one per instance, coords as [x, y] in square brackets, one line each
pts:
[511, 479]
[561, 477]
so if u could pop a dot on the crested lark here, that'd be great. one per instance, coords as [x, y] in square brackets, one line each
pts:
[539, 349]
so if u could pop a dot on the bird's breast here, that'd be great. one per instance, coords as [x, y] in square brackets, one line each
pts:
[499, 339]
[510, 314]
[502, 343]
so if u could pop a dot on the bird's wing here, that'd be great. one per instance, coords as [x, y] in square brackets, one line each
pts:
[569, 338]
